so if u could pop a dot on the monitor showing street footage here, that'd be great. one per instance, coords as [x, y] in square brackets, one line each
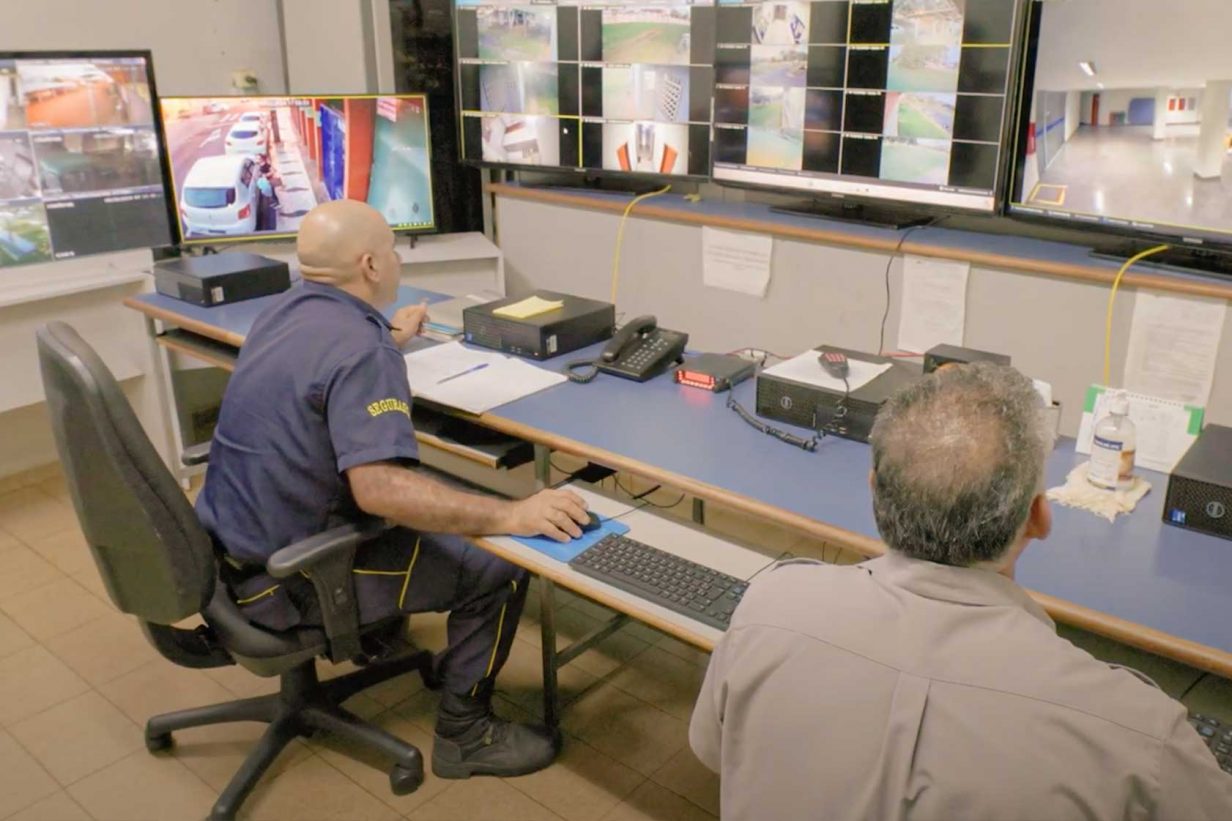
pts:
[1126, 123]
[900, 100]
[80, 166]
[251, 167]
[614, 85]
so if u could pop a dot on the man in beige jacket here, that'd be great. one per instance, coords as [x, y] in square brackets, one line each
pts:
[926, 684]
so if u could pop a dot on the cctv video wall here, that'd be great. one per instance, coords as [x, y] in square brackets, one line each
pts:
[618, 85]
[80, 168]
[904, 98]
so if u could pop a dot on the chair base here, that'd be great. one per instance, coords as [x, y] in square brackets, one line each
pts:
[303, 706]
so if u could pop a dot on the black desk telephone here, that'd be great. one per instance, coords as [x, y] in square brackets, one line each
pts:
[639, 351]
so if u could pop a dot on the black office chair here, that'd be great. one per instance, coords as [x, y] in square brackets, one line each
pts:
[159, 565]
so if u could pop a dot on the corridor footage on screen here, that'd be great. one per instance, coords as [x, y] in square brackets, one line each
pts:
[909, 94]
[254, 166]
[617, 86]
[79, 163]
[1131, 129]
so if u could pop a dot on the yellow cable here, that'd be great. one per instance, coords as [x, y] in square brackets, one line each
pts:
[1116, 283]
[620, 235]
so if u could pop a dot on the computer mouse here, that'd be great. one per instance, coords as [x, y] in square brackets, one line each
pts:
[835, 363]
[593, 522]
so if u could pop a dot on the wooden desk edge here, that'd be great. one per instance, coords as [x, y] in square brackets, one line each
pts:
[1062, 270]
[1197, 655]
[187, 323]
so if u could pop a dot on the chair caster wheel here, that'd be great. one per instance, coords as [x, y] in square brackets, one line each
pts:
[159, 743]
[403, 781]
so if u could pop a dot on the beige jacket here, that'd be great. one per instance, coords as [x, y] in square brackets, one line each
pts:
[902, 689]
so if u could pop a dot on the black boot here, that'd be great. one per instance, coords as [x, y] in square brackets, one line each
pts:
[472, 740]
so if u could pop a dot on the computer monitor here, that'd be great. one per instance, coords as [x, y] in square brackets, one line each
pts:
[901, 101]
[81, 168]
[247, 168]
[611, 86]
[1124, 123]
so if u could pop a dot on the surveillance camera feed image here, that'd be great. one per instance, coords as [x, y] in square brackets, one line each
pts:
[1128, 121]
[80, 169]
[893, 99]
[614, 85]
[252, 167]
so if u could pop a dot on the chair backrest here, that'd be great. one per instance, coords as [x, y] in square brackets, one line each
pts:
[155, 558]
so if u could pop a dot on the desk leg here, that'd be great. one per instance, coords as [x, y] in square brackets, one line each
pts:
[699, 511]
[547, 639]
[543, 466]
[173, 440]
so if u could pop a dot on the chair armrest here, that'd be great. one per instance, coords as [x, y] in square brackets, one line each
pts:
[195, 455]
[327, 559]
[333, 543]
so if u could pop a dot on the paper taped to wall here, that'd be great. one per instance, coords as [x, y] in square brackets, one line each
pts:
[736, 261]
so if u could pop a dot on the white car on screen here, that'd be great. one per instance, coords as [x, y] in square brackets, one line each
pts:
[246, 138]
[219, 196]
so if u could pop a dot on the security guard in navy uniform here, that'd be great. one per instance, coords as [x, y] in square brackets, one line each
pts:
[315, 430]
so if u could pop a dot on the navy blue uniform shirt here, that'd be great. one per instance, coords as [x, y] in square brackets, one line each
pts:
[320, 387]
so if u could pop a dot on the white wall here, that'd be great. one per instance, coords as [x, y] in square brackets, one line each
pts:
[196, 43]
[326, 47]
[1191, 115]
[1073, 115]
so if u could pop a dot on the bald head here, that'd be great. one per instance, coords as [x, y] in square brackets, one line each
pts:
[347, 244]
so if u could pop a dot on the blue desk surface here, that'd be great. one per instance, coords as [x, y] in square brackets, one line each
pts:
[237, 318]
[1136, 569]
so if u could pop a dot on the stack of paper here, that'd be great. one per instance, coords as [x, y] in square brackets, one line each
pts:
[473, 381]
[531, 306]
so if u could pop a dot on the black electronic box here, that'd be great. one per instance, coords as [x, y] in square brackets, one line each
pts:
[1200, 487]
[849, 415]
[575, 324]
[220, 279]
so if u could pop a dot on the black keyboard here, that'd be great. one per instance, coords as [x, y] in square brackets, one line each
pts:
[668, 580]
[1217, 735]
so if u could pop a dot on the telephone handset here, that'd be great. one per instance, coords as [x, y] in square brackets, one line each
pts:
[639, 351]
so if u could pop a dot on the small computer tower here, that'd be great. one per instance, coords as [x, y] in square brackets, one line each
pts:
[577, 323]
[851, 415]
[1200, 487]
[220, 279]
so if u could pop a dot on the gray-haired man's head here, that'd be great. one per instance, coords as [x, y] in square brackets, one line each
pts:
[958, 459]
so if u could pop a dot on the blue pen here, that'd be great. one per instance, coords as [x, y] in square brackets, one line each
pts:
[478, 367]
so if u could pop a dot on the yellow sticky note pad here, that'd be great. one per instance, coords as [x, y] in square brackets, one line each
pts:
[531, 306]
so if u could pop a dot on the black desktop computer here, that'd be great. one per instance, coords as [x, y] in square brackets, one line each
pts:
[1200, 487]
[578, 322]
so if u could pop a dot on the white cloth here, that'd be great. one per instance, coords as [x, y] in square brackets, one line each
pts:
[1080, 493]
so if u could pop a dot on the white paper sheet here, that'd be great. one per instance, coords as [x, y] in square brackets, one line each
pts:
[1173, 345]
[934, 303]
[736, 261]
[807, 368]
[1164, 429]
[451, 375]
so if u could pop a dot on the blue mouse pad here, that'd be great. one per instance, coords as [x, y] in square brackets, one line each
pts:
[566, 551]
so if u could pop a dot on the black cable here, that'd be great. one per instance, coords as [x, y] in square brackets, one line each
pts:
[889, 263]
[1190, 688]
[642, 496]
[786, 554]
[809, 445]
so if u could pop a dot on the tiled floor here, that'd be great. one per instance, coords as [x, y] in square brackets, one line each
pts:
[77, 680]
